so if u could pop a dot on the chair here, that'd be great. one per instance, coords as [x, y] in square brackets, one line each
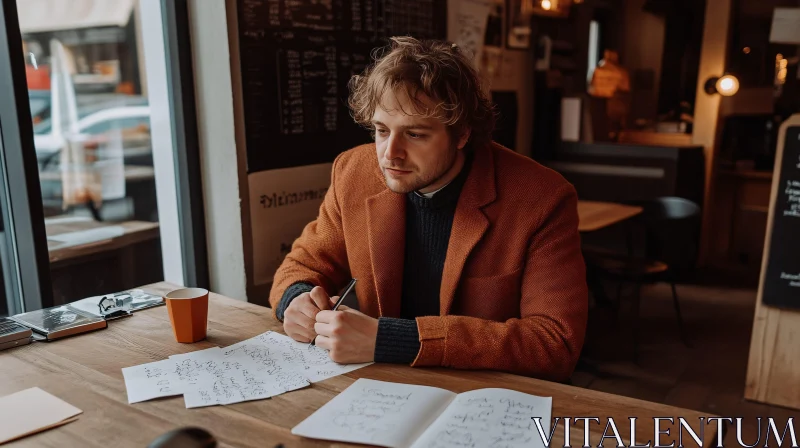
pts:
[671, 228]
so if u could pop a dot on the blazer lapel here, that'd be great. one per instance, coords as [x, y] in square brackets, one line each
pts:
[469, 223]
[386, 228]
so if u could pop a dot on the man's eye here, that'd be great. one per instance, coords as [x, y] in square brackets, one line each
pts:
[414, 135]
[381, 132]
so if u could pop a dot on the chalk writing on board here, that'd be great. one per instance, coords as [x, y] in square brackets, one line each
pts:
[296, 60]
[792, 192]
[794, 279]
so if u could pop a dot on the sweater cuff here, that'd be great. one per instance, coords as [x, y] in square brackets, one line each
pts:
[397, 340]
[291, 292]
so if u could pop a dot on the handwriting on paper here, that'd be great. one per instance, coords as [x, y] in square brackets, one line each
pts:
[260, 367]
[371, 412]
[272, 350]
[376, 413]
[233, 376]
[492, 418]
[153, 380]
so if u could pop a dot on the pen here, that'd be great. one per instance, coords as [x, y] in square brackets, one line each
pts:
[347, 290]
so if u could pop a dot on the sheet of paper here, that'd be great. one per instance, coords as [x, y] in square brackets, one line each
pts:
[260, 367]
[152, 380]
[208, 378]
[218, 379]
[31, 411]
[490, 417]
[466, 25]
[206, 353]
[174, 376]
[274, 349]
[376, 413]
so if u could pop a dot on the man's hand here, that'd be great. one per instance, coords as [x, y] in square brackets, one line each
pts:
[300, 316]
[347, 334]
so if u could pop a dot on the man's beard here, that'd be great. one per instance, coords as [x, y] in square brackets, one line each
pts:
[419, 184]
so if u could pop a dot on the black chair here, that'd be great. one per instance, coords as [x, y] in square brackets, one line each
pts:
[671, 228]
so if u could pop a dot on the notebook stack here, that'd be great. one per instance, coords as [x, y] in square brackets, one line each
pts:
[12, 334]
[85, 315]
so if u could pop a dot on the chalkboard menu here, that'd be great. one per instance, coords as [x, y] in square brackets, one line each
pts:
[296, 59]
[781, 283]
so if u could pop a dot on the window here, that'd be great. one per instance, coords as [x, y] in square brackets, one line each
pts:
[100, 96]
[594, 49]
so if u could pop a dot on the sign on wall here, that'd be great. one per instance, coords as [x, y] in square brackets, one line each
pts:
[282, 203]
[781, 277]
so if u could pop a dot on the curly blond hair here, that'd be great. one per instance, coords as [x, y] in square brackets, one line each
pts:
[437, 69]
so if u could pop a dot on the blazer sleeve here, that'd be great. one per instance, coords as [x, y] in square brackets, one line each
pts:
[318, 256]
[546, 340]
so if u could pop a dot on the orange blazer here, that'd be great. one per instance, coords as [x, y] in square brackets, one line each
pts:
[513, 295]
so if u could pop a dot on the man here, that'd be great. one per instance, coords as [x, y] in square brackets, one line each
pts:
[466, 254]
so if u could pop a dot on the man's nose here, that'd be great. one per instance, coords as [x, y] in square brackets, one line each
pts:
[394, 148]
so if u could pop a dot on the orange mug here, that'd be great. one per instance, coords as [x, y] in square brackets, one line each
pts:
[188, 312]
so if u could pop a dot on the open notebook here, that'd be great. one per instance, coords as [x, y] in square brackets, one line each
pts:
[402, 415]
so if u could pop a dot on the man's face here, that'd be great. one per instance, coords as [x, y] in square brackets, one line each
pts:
[414, 153]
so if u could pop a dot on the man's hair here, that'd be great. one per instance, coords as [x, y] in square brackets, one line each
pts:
[437, 69]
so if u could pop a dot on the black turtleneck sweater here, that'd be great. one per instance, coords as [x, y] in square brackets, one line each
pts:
[428, 225]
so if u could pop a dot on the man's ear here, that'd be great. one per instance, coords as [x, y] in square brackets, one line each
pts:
[462, 141]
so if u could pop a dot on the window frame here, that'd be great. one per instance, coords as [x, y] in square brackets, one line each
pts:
[27, 265]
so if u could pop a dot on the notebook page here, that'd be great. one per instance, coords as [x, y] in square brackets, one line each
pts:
[376, 413]
[489, 418]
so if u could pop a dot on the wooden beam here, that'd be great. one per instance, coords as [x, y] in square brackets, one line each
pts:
[706, 108]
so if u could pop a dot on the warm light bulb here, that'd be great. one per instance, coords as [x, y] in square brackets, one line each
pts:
[546, 5]
[727, 85]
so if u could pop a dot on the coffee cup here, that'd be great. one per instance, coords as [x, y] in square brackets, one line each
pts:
[188, 313]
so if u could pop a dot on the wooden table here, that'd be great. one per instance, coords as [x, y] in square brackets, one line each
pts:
[595, 215]
[85, 371]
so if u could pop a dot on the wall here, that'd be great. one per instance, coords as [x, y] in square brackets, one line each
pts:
[706, 111]
[516, 75]
[740, 201]
[643, 49]
[222, 161]
[753, 100]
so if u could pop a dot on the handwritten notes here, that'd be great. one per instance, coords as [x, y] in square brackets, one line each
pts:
[153, 380]
[261, 367]
[403, 415]
[490, 418]
[272, 349]
[376, 413]
[467, 24]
